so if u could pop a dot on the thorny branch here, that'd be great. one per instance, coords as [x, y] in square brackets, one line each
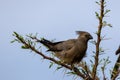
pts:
[98, 37]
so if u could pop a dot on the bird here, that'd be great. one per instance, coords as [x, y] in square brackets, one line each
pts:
[69, 51]
[116, 66]
[117, 51]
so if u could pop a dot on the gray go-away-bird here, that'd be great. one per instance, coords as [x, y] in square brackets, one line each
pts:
[70, 51]
[118, 51]
[117, 65]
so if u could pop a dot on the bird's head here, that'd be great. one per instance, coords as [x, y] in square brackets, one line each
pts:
[84, 34]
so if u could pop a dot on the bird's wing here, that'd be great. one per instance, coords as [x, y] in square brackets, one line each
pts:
[65, 45]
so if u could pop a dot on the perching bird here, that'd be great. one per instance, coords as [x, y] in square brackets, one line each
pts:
[70, 51]
[118, 51]
[117, 65]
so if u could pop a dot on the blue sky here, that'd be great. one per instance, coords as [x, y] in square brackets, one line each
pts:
[52, 19]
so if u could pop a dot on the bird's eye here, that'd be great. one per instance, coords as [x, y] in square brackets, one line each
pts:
[86, 35]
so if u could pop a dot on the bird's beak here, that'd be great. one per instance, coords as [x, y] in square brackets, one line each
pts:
[90, 37]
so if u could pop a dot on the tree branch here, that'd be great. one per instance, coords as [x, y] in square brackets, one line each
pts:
[98, 37]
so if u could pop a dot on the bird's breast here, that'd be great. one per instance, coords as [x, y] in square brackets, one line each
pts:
[81, 46]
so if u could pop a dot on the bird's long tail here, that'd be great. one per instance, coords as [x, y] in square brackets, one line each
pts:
[50, 45]
[46, 42]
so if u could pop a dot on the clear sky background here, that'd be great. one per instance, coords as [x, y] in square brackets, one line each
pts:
[52, 19]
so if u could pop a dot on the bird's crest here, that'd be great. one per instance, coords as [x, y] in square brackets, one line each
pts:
[80, 32]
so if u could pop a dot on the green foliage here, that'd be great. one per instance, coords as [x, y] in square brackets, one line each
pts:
[51, 64]
[97, 15]
[106, 11]
[71, 73]
[97, 2]
[25, 47]
[106, 24]
[14, 40]
[59, 67]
